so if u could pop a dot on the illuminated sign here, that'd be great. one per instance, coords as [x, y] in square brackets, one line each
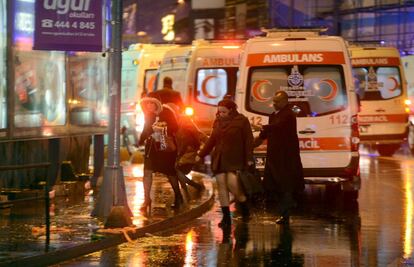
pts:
[168, 27]
[71, 25]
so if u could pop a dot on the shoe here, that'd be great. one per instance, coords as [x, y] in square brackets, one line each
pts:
[282, 220]
[146, 206]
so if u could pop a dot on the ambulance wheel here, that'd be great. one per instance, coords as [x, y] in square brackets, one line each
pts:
[387, 150]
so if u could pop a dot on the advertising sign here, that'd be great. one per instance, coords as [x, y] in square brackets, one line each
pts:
[71, 25]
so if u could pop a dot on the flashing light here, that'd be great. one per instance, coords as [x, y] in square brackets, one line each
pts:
[135, 62]
[407, 102]
[189, 111]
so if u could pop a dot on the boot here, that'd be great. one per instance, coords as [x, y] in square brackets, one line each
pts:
[178, 201]
[226, 221]
[244, 209]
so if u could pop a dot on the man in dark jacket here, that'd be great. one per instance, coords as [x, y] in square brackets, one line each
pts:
[167, 94]
[283, 170]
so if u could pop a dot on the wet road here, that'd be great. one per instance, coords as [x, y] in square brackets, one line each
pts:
[324, 231]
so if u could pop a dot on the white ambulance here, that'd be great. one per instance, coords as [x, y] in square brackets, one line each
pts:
[382, 88]
[139, 71]
[203, 73]
[315, 71]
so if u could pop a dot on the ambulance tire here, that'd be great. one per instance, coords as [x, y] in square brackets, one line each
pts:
[387, 150]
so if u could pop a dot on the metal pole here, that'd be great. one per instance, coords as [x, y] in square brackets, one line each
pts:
[112, 193]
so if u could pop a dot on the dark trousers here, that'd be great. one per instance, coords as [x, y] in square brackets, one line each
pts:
[285, 203]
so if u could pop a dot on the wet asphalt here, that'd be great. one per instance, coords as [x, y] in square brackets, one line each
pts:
[325, 230]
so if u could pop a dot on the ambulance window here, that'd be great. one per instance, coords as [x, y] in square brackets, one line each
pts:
[178, 77]
[327, 93]
[314, 90]
[211, 85]
[378, 83]
[149, 80]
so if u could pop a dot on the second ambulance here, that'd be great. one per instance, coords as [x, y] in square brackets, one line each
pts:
[383, 118]
[315, 71]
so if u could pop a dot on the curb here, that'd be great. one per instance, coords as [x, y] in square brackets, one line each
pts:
[60, 255]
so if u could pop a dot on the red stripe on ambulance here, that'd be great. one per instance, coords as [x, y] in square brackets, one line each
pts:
[397, 118]
[265, 59]
[319, 144]
[378, 61]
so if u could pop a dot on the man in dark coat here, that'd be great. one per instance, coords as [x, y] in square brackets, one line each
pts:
[167, 94]
[283, 170]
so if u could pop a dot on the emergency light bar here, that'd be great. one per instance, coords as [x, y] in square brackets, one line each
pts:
[294, 32]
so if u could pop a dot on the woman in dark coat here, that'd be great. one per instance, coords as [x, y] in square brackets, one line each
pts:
[156, 160]
[232, 141]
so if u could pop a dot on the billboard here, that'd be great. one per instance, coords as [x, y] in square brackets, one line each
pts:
[72, 25]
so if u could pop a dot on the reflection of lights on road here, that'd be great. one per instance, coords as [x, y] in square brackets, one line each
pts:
[137, 259]
[189, 248]
[137, 201]
[408, 235]
[137, 171]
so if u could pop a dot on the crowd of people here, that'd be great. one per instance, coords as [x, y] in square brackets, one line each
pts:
[174, 145]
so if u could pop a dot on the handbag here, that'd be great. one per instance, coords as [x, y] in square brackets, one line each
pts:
[251, 182]
[167, 143]
[186, 162]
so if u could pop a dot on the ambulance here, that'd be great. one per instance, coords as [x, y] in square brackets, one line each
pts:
[382, 89]
[315, 71]
[203, 73]
[139, 71]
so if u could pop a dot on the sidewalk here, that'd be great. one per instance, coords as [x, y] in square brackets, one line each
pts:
[74, 232]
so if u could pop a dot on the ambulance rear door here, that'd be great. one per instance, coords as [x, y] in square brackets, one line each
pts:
[176, 64]
[213, 76]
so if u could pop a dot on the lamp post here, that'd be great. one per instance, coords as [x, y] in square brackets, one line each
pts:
[112, 201]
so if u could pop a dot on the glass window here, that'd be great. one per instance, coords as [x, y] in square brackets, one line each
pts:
[313, 90]
[378, 83]
[88, 80]
[129, 86]
[3, 73]
[39, 89]
[211, 85]
[178, 76]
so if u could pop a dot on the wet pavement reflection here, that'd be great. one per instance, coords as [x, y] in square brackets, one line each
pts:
[325, 230]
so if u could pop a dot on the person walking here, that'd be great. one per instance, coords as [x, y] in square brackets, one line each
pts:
[189, 139]
[159, 120]
[283, 173]
[167, 94]
[231, 143]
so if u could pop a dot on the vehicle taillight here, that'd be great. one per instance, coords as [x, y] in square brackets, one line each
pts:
[407, 104]
[189, 111]
[354, 133]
